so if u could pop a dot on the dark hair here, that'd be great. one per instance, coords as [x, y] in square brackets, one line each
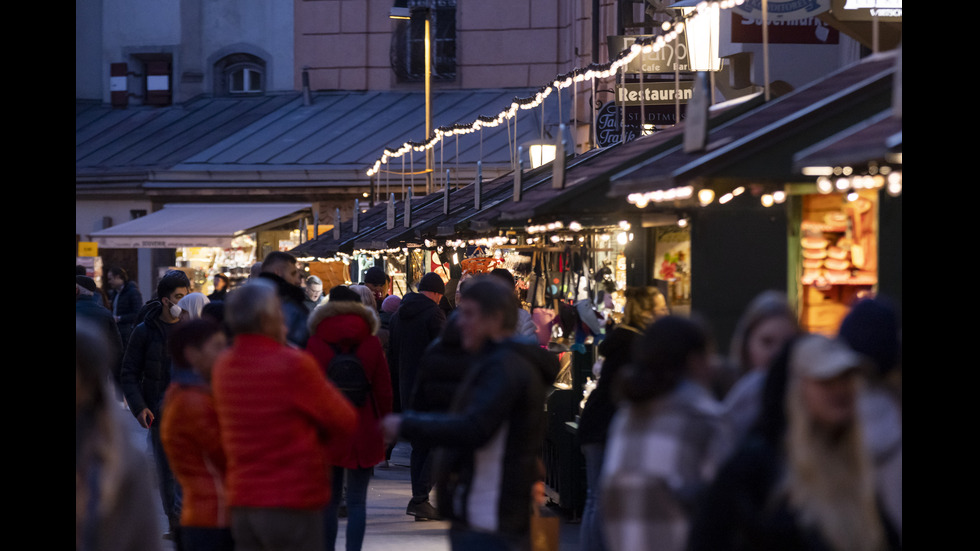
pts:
[771, 422]
[171, 280]
[119, 272]
[343, 293]
[660, 358]
[222, 277]
[504, 275]
[277, 257]
[194, 333]
[493, 296]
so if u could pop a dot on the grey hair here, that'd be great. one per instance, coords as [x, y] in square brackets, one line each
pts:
[248, 307]
[314, 280]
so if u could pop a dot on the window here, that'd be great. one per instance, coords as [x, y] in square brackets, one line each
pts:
[408, 42]
[156, 72]
[239, 74]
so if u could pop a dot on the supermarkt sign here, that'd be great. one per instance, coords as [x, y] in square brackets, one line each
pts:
[867, 10]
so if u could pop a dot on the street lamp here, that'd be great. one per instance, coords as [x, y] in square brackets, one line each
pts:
[541, 152]
[702, 30]
[401, 11]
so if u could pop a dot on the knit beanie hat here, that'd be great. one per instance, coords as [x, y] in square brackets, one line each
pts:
[391, 303]
[375, 276]
[432, 282]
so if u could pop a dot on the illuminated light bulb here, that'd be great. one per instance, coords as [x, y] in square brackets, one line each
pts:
[631, 236]
[853, 196]
[767, 200]
[824, 185]
[682, 222]
[847, 171]
[575, 226]
[621, 238]
[726, 198]
[641, 202]
[779, 196]
[738, 191]
[624, 224]
[706, 196]
[665, 26]
[555, 239]
[842, 183]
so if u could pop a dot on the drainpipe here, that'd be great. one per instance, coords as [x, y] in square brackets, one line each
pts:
[307, 99]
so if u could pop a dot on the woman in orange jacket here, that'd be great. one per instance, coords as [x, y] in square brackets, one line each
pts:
[190, 436]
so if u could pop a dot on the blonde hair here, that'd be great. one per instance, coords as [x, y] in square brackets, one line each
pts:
[639, 300]
[829, 479]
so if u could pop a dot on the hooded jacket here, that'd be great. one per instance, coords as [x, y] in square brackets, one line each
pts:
[491, 439]
[416, 323]
[347, 324]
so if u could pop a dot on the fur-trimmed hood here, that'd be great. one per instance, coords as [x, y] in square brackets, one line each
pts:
[334, 308]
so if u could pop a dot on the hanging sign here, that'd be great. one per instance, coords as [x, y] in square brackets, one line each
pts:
[661, 61]
[609, 120]
[888, 11]
[654, 93]
[809, 30]
[783, 9]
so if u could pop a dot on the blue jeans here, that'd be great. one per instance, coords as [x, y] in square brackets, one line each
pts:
[357, 487]
[591, 535]
[170, 494]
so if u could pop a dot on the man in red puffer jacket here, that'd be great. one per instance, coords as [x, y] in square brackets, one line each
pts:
[278, 416]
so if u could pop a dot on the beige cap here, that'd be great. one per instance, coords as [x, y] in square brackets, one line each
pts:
[821, 357]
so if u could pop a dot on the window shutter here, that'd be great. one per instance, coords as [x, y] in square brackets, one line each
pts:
[158, 83]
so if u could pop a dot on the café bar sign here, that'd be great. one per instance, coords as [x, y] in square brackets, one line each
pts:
[661, 61]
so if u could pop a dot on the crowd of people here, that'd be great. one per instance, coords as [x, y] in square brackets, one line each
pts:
[268, 406]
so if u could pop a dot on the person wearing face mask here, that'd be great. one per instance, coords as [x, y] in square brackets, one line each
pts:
[145, 376]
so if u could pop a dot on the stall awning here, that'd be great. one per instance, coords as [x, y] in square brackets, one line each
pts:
[198, 225]
[877, 139]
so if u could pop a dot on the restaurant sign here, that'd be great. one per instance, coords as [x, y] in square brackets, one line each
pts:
[654, 93]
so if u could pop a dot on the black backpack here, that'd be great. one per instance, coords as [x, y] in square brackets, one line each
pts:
[346, 372]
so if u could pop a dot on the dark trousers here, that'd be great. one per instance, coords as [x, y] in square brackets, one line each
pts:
[170, 494]
[195, 538]
[420, 470]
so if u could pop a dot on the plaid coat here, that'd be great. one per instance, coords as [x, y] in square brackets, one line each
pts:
[659, 458]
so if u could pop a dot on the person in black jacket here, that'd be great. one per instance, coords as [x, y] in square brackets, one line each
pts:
[281, 269]
[87, 306]
[126, 302]
[416, 323]
[491, 438]
[643, 306]
[146, 374]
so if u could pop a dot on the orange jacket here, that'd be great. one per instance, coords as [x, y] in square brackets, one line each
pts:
[190, 436]
[278, 414]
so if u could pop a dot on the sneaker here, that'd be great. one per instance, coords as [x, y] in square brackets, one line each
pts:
[422, 511]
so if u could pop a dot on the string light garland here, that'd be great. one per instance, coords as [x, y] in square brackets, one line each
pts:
[593, 71]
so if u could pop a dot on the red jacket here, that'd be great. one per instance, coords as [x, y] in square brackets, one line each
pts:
[351, 323]
[190, 436]
[278, 414]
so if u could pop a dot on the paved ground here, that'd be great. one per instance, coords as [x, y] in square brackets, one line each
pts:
[389, 528]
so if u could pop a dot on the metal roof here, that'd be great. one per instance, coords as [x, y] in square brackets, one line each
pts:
[341, 133]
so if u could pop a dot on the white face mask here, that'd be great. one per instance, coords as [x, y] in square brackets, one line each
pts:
[174, 310]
